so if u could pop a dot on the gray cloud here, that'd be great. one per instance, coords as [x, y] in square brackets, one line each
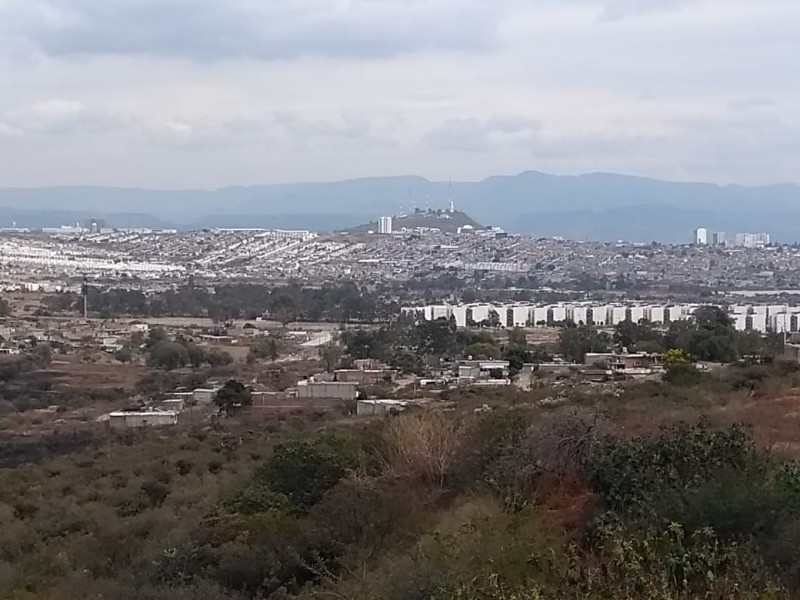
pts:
[475, 135]
[216, 92]
[210, 29]
[59, 117]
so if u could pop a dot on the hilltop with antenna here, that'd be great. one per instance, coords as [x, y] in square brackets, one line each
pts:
[447, 220]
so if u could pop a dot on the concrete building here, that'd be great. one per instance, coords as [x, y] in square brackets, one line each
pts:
[718, 238]
[579, 315]
[136, 419]
[538, 314]
[385, 225]
[739, 321]
[656, 314]
[205, 395]
[361, 376]
[617, 315]
[751, 240]
[372, 408]
[757, 322]
[518, 316]
[175, 405]
[558, 313]
[460, 314]
[600, 315]
[440, 312]
[637, 313]
[700, 236]
[327, 390]
[478, 313]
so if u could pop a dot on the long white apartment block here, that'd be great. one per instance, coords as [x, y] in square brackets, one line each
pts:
[538, 315]
[460, 315]
[762, 318]
[757, 322]
[579, 315]
[617, 315]
[656, 314]
[600, 315]
[520, 316]
[639, 313]
[558, 314]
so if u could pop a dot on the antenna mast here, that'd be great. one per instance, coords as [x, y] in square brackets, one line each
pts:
[85, 294]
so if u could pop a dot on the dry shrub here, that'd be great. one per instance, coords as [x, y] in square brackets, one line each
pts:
[564, 443]
[425, 445]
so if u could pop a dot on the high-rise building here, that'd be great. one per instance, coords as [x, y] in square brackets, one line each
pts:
[385, 225]
[701, 236]
[751, 240]
[718, 238]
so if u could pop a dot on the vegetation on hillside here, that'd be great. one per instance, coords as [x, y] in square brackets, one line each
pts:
[523, 502]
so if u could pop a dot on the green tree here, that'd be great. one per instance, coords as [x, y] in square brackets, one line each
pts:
[168, 355]
[628, 334]
[42, 354]
[330, 354]
[155, 336]
[265, 347]
[304, 470]
[517, 336]
[483, 350]
[575, 342]
[233, 396]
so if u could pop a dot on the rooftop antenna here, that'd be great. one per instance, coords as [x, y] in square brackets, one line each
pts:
[85, 294]
[450, 193]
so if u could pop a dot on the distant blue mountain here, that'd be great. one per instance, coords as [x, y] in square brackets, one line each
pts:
[597, 206]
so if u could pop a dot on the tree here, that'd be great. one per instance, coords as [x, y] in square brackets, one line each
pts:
[155, 336]
[483, 350]
[303, 470]
[330, 354]
[679, 369]
[168, 355]
[517, 336]
[628, 334]
[575, 342]
[232, 396]
[42, 354]
[5, 308]
[124, 355]
[674, 356]
[265, 347]
[218, 358]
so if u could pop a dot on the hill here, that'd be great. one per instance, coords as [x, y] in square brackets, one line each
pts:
[444, 220]
[599, 205]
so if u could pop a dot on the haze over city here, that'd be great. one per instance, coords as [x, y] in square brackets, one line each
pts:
[201, 94]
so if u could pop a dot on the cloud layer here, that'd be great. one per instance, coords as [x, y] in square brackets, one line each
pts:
[208, 93]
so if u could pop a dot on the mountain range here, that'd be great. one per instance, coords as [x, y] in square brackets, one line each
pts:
[598, 206]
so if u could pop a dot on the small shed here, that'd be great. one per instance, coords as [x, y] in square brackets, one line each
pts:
[174, 404]
[136, 419]
[369, 408]
[205, 395]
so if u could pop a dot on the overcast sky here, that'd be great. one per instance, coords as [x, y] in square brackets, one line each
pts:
[206, 93]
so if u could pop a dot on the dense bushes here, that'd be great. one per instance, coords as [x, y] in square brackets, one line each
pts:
[512, 504]
[304, 470]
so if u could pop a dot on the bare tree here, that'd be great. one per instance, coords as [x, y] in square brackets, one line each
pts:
[426, 444]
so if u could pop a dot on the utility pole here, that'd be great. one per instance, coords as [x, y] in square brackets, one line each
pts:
[85, 293]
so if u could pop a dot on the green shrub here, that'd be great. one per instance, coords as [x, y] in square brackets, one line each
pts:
[304, 470]
[633, 476]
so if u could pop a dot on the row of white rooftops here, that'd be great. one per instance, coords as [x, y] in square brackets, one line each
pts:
[765, 318]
